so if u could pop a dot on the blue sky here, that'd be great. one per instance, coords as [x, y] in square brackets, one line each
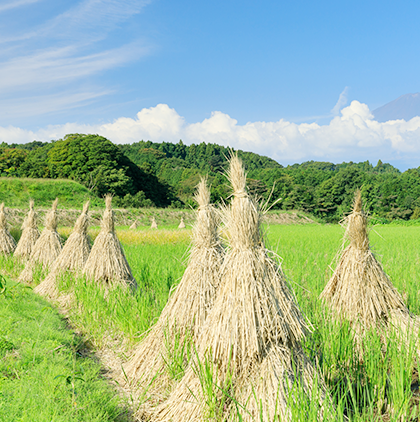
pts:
[292, 80]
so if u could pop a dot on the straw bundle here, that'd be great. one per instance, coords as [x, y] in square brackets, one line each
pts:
[47, 247]
[72, 257]
[187, 309]
[134, 225]
[30, 234]
[181, 224]
[359, 289]
[254, 325]
[107, 262]
[7, 243]
[154, 224]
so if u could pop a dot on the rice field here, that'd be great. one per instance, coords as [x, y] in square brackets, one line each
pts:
[383, 386]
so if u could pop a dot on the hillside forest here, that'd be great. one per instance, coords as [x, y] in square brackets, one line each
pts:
[148, 174]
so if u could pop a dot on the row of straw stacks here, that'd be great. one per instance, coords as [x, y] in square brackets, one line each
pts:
[104, 263]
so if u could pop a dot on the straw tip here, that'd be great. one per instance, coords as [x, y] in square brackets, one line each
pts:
[108, 201]
[357, 206]
[202, 195]
[55, 204]
[86, 207]
[236, 174]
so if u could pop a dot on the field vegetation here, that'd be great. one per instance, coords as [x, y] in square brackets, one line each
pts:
[384, 386]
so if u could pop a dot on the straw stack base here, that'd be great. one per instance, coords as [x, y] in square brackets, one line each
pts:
[185, 404]
[48, 287]
[272, 387]
[26, 243]
[107, 263]
[361, 291]
[7, 243]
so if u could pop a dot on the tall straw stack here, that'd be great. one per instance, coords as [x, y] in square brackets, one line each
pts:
[47, 247]
[30, 234]
[253, 332]
[359, 289]
[188, 307]
[107, 263]
[181, 224]
[72, 257]
[134, 225]
[154, 224]
[7, 243]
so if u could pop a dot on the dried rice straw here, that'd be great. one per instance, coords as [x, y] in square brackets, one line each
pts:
[359, 289]
[154, 224]
[134, 225]
[107, 262]
[254, 325]
[30, 234]
[72, 257]
[181, 224]
[7, 242]
[47, 247]
[188, 307]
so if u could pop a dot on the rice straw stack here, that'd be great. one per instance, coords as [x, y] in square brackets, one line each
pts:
[134, 225]
[188, 307]
[359, 289]
[72, 257]
[181, 224]
[107, 263]
[7, 243]
[255, 328]
[154, 224]
[30, 234]
[47, 247]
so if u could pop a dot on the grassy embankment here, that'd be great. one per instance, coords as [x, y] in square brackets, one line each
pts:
[383, 387]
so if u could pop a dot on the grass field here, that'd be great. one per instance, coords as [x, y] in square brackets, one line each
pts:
[383, 387]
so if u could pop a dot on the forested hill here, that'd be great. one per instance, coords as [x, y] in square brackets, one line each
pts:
[165, 174]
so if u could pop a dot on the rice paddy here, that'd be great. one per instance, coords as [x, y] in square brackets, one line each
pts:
[383, 386]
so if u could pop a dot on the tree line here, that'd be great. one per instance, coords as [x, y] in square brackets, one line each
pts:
[147, 174]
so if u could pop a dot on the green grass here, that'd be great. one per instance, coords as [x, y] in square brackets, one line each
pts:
[45, 372]
[379, 388]
[16, 192]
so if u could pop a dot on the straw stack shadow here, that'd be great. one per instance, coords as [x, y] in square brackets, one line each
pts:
[7, 242]
[107, 263]
[47, 247]
[187, 308]
[360, 290]
[72, 257]
[30, 234]
[252, 335]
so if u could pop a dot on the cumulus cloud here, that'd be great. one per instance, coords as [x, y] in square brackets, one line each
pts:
[353, 135]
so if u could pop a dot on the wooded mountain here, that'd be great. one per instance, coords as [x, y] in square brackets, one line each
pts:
[164, 174]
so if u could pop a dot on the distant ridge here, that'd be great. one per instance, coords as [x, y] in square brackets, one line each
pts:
[405, 107]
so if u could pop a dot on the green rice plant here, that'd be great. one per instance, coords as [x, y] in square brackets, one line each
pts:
[177, 351]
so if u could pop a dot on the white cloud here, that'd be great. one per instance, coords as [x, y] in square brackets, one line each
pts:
[59, 55]
[342, 101]
[14, 4]
[61, 66]
[353, 135]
